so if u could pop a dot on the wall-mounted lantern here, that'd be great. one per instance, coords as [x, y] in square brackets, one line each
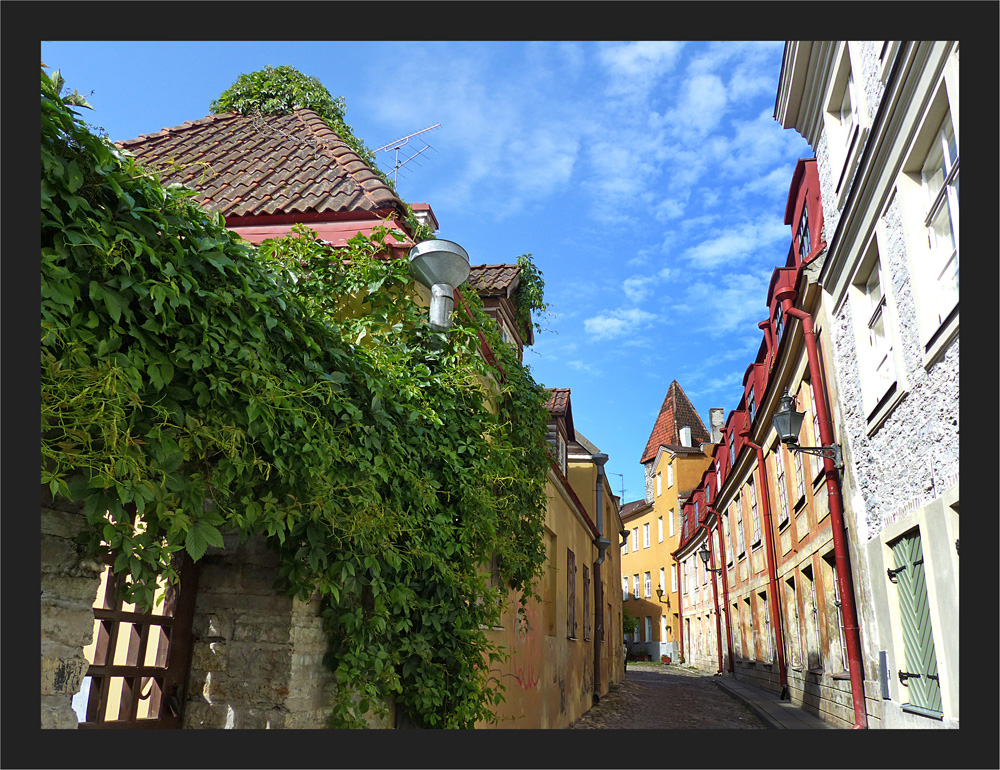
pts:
[705, 556]
[659, 595]
[787, 422]
[440, 266]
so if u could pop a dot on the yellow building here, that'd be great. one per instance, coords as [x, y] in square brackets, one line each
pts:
[565, 651]
[676, 455]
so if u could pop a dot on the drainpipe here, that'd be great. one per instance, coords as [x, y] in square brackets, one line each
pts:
[848, 611]
[715, 595]
[725, 587]
[680, 605]
[602, 544]
[772, 578]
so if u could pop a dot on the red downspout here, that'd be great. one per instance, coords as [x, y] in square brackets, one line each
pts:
[680, 605]
[847, 608]
[725, 588]
[715, 595]
[772, 578]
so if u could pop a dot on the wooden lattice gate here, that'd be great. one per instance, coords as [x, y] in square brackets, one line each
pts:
[139, 661]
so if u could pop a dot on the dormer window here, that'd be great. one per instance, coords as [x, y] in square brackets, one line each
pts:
[805, 244]
[751, 406]
[732, 451]
[779, 326]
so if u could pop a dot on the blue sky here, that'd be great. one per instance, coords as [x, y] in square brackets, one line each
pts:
[647, 179]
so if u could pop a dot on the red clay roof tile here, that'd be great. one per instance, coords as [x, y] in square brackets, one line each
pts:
[250, 165]
[676, 412]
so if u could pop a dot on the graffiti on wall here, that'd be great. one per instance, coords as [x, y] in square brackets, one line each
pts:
[524, 664]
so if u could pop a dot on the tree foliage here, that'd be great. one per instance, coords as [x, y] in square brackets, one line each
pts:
[194, 385]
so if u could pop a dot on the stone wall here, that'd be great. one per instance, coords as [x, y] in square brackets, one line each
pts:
[257, 655]
[69, 585]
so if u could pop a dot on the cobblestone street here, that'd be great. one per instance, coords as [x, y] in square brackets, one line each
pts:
[661, 697]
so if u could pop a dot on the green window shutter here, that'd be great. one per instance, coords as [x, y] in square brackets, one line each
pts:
[918, 641]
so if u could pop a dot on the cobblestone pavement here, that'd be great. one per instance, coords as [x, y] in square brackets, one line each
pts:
[668, 698]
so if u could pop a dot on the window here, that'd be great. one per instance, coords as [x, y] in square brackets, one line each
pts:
[586, 603]
[939, 179]
[732, 451]
[800, 483]
[625, 547]
[767, 643]
[779, 464]
[792, 613]
[645, 535]
[740, 545]
[837, 659]
[805, 242]
[845, 122]
[646, 585]
[779, 327]
[754, 513]
[684, 577]
[648, 628]
[635, 585]
[663, 579]
[549, 598]
[670, 474]
[813, 659]
[921, 685]
[751, 406]
[816, 460]
[673, 578]
[659, 485]
[625, 588]
[879, 368]
[671, 523]
[663, 628]
[928, 198]
[659, 529]
[570, 594]
[726, 538]
[635, 539]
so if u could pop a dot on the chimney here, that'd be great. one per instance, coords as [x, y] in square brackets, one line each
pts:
[425, 216]
[717, 423]
[685, 435]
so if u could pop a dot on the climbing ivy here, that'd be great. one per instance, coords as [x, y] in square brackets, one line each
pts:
[193, 385]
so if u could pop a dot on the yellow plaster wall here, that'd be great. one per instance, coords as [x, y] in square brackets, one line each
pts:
[549, 676]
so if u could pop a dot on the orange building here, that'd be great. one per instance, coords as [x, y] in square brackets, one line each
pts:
[677, 453]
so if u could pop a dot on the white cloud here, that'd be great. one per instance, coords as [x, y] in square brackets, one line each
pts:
[636, 66]
[618, 323]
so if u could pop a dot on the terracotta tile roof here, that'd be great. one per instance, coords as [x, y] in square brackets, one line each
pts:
[676, 412]
[494, 280]
[253, 165]
[558, 403]
[634, 507]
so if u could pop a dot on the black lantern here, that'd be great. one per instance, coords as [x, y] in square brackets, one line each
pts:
[787, 423]
[659, 595]
[705, 556]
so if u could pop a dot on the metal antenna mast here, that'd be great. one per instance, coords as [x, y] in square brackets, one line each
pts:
[623, 484]
[399, 144]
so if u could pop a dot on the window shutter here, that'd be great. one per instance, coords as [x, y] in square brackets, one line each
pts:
[570, 593]
[922, 684]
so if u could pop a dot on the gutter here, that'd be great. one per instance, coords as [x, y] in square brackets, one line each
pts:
[772, 578]
[602, 544]
[725, 588]
[715, 595]
[852, 632]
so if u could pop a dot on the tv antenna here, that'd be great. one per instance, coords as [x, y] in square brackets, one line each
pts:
[622, 475]
[409, 151]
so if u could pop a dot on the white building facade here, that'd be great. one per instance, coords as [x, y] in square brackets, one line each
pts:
[883, 120]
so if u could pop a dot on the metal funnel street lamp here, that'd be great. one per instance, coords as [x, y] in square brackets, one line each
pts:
[440, 266]
[705, 556]
[787, 422]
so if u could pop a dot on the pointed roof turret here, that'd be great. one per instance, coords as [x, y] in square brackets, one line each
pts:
[676, 412]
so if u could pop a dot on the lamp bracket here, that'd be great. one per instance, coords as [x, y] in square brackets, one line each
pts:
[830, 452]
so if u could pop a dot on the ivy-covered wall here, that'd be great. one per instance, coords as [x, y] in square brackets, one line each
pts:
[195, 388]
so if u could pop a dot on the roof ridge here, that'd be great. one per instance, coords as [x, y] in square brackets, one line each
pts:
[666, 431]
